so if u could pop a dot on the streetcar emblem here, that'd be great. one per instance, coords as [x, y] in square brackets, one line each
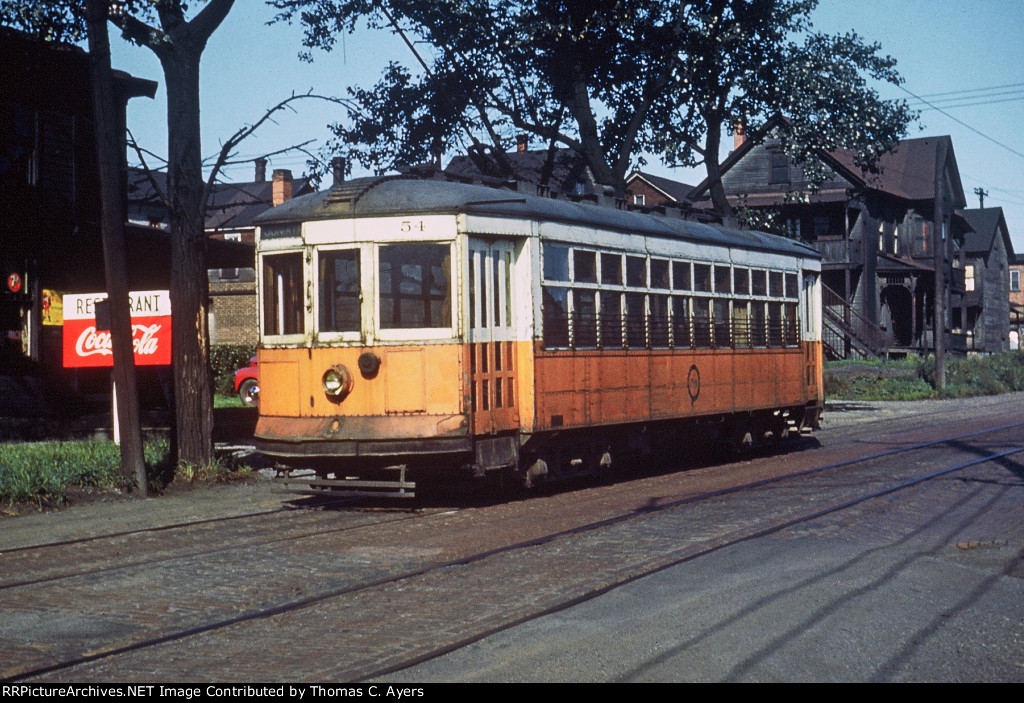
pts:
[693, 384]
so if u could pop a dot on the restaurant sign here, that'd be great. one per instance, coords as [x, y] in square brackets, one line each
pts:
[88, 344]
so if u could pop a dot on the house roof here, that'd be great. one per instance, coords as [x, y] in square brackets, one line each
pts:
[908, 171]
[987, 223]
[232, 205]
[568, 170]
[888, 263]
[676, 190]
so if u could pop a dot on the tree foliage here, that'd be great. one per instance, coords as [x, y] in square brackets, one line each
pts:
[609, 79]
[590, 77]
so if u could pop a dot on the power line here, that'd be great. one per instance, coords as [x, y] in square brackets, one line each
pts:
[972, 90]
[962, 123]
[986, 102]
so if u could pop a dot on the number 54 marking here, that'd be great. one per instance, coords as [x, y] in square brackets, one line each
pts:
[409, 226]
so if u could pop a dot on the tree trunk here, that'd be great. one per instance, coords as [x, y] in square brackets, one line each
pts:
[714, 169]
[193, 397]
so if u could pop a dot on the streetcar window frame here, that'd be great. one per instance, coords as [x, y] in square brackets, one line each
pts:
[319, 312]
[653, 301]
[447, 328]
[283, 323]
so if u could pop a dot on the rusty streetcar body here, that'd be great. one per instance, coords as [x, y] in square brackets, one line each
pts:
[416, 326]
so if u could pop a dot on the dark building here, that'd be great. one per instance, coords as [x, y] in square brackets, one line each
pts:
[50, 240]
[878, 238]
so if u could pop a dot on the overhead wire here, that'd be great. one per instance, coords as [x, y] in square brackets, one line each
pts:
[962, 123]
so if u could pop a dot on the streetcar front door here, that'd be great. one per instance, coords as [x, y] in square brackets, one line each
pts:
[490, 346]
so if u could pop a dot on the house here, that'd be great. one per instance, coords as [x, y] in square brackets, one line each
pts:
[559, 171]
[50, 239]
[987, 252]
[883, 236]
[647, 190]
[1016, 266]
[229, 217]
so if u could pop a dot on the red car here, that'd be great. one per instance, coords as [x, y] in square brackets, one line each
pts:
[247, 384]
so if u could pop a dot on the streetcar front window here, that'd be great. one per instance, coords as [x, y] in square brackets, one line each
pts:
[339, 291]
[282, 294]
[415, 286]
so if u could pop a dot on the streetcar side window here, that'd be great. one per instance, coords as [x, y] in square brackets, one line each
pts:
[556, 321]
[702, 278]
[680, 275]
[556, 262]
[415, 286]
[584, 266]
[659, 274]
[282, 294]
[759, 282]
[339, 291]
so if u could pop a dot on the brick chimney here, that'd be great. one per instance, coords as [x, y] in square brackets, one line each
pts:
[282, 186]
[261, 170]
[739, 135]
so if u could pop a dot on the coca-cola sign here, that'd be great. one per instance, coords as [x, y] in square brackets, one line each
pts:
[84, 345]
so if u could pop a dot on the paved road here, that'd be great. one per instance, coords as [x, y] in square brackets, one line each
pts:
[837, 600]
[885, 592]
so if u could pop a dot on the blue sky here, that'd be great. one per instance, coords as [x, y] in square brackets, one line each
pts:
[964, 56]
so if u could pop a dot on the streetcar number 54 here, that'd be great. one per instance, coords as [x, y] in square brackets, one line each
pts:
[409, 226]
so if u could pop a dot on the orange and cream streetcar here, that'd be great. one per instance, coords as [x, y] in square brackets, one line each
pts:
[411, 327]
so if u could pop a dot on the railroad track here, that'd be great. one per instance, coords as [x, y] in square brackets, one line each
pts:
[708, 520]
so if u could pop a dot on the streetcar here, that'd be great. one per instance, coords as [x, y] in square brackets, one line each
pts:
[412, 328]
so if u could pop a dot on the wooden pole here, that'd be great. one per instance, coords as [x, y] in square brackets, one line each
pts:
[110, 156]
[938, 239]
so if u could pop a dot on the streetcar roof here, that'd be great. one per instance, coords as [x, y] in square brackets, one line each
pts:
[404, 196]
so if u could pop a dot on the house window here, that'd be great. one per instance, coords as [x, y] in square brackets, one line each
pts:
[969, 277]
[638, 199]
[922, 233]
[779, 168]
[229, 273]
[1014, 280]
[821, 226]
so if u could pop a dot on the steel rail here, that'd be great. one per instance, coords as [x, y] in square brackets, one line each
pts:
[319, 533]
[309, 601]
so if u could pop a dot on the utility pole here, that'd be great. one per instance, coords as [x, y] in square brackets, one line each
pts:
[110, 155]
[939, 240]
[981, 193]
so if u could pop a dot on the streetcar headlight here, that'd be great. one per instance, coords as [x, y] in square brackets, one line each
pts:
[337, 381]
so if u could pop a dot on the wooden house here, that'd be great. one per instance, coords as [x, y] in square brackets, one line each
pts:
[882, 236]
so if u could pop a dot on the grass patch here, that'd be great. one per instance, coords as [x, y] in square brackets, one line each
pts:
[227, 401]
[914, 378]
[43, 474]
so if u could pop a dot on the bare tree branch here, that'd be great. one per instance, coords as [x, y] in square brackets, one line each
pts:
[164, 200]
[244, 132]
